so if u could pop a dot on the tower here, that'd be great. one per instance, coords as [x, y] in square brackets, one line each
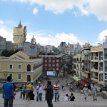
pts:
[19, 35]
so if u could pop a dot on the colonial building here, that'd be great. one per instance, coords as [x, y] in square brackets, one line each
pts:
[21, 67]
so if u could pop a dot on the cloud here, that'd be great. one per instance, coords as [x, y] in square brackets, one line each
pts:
[41, 38]
[35, 11]
[98, 8]
[57, 6]
[53, 40]
[81, 7]
[4, 31]
[6, 34]
[102, 35]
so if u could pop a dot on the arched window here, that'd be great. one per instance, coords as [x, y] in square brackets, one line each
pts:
[28, 67]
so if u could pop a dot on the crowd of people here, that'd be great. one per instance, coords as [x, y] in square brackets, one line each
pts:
[27, 91]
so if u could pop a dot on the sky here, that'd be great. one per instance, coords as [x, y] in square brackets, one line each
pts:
[55, 21]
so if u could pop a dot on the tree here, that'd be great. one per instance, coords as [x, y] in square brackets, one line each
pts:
[7, 53]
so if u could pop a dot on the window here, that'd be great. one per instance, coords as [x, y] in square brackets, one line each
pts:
[57, 60]
[19, 76]
[49, 60]
[57, 64]
[100, 77]
[105, 76]
[49, 65]
[28, 67]
[10, 66]
[53, 60]
[19, 66]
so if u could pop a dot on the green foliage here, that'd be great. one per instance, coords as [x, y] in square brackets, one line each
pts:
[8, 53]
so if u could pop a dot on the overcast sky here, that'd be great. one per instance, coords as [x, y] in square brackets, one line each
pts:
[54, 21]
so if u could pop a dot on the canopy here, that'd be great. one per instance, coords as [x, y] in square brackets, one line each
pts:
[84, 82]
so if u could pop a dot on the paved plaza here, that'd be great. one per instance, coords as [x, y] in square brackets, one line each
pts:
[79, 101]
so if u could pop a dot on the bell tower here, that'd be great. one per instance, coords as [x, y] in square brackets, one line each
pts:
[19, 35]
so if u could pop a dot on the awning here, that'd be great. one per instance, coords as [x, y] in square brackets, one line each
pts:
[83, 82]
[76, 78]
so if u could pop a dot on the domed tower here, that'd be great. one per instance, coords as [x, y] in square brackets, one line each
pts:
[19, 35]
[33, 42]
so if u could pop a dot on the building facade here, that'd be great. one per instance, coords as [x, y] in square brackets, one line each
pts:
[21, 67]
[85, 60]
[5, 45]
[52, 63]
[19, 35]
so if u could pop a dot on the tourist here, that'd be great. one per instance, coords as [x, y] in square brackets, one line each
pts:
[85, 92]
[29, 87]
[94, 91]
[72, 97]
[37, 91]
[8, 93]
[56, 91]
[40, 92]
[23, 92]
[49, 94]
[66, 97]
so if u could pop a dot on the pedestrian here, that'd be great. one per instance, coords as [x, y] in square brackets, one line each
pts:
[56, 91]
[85, 92]
[37, 91]
[49, 94]
[63, 88]
[31, 95]
[40, 92]
[23, 92]
[66, 97]
[94, 92]
[29, 87]
[72, 97]
[8, 93]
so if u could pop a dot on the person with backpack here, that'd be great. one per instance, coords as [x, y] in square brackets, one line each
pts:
[49, 94]
[8, 93]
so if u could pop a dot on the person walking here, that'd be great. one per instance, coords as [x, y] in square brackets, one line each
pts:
[8, 93]
[85, 92]
[40, 92]
[29, 87]
[94, 92]
[23, 92]
[49, 94]
[56, 91]
[37, 91]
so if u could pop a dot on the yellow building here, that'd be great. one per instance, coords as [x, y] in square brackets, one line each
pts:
[21, 67]
[97, 64]
[19, 35]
